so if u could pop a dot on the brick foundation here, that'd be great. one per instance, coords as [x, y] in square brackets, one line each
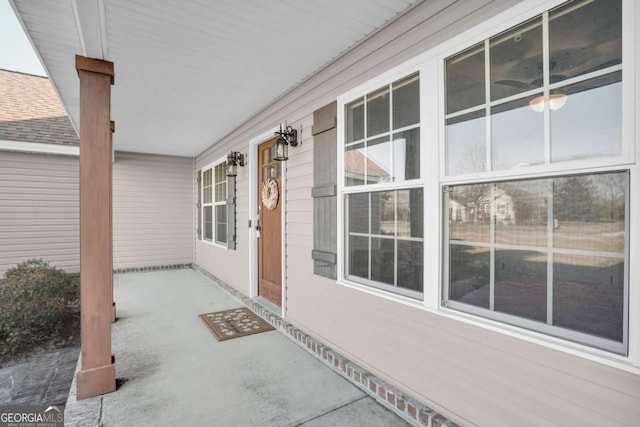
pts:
[152, 268]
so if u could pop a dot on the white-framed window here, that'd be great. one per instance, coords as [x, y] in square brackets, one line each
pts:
[382, 192]
[536, 167]
[214, 203]
[527, 173]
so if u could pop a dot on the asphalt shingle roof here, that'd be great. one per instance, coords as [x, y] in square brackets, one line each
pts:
[30, 111]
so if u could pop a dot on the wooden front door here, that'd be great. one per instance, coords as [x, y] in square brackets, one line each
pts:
[270, 224]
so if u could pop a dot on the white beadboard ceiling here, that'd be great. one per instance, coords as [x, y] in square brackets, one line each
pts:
[187, 73]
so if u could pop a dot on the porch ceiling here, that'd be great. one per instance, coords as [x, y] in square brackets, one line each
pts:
[187, 73]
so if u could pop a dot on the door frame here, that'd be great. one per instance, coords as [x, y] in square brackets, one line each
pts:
[253, 216]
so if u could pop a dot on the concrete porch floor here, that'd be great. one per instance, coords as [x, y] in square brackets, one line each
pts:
[176, 374]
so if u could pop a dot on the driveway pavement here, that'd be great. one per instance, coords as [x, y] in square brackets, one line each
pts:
[42, 380]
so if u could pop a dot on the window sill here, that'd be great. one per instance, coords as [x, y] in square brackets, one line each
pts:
[214, 244]
[624, 363]
[388, 295]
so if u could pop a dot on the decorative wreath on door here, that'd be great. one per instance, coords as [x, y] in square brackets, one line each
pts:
[270, 194]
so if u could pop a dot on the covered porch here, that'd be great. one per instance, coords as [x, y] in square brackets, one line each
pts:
[172, 371]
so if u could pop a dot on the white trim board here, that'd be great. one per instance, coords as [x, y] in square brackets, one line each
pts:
[253, 216]
[39, 147]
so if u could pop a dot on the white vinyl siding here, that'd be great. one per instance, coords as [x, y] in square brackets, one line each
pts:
[40, 218]
[39, 210]
[152, 210]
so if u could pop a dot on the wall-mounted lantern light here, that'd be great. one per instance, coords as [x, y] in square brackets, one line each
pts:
[286, 137]
[234, 159]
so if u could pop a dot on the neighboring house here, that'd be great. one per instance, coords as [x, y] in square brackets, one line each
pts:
[39, 184]
[501, 203]
[517, 324]
[39, 200]
[458, 212]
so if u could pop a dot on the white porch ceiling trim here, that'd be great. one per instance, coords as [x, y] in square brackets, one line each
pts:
[92, 27]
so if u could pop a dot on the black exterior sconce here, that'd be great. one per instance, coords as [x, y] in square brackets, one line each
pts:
[286, 137]
[234, 159]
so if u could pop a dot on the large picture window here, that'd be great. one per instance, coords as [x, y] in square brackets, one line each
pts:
[548, 254]
[383, 197]
[214, 204]
[545, 253]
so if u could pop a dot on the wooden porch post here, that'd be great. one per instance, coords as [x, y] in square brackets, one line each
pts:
[97, 373]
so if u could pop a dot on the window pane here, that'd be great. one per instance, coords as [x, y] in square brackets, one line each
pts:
[221, 191]
[359, 256]
[521, 212]
[358, 213]
[517, 135]
[584, 37]
[382, 260]
[521, 284]
[588, 295]
[208, 223]
[589, 212]
[378, 112]
[469, 213]
[469, 275]
[206, 186]
[354, 158]
[465, 79]
[406, 102]
[406, 155]
[221, 224]
[383, 213]
[466, 144]
[516, 60]
[378, 160]
[410, 213]
[410, 265]
[219, 172]
[354, 116]
[589, 124]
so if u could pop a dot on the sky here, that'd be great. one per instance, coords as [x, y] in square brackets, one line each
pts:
[16, 52]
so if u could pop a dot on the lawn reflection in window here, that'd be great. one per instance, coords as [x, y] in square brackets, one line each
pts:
[385, 239]
[547, 254]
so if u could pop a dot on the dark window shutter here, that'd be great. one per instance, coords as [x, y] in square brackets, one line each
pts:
[324, 190]
[199, 205]
[231, 212]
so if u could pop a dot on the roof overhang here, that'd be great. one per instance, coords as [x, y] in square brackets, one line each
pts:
[188, 73]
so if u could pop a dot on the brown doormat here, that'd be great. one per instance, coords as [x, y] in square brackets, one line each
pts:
[234, 323]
